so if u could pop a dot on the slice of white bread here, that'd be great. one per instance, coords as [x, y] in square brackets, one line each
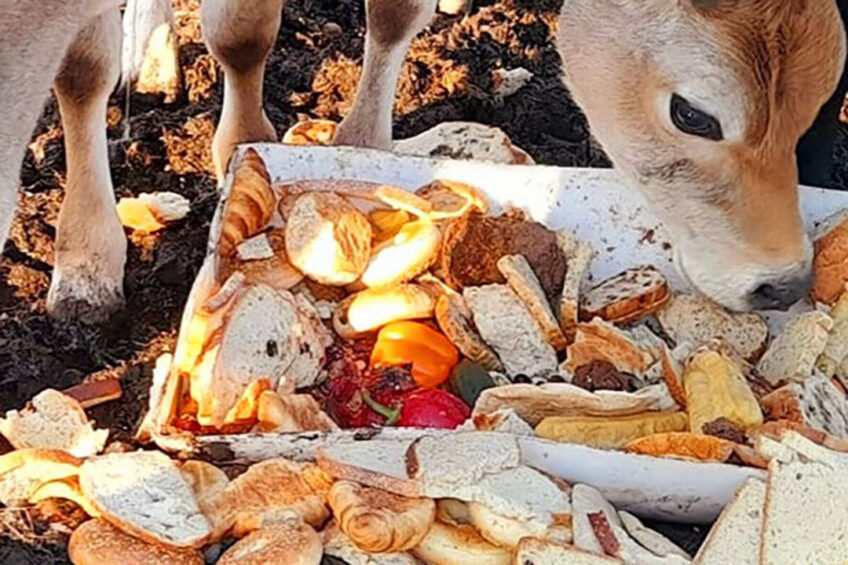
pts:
[53, 420]
[374, 463]
[696, 319]
[506, 324]
[651, 540]
[792, 355]
[735, 537]
[338, 545]
[815, 402]
[535, 551]
[459, 545]
[24, 471]
[805, 519]
[578, 256]
[145, 494]
[97, 542]
[523, 280]
[447, 463]
[270, 489]
[286, 542]
[626, 297]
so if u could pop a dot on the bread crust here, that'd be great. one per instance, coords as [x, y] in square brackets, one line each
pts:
[97, 542]
[627, 309]
[209, 484]
[455, 321]
[830, 265]
[684, 445]
[380, 522]
[599, 340]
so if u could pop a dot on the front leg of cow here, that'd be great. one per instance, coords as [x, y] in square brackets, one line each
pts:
[91, 247]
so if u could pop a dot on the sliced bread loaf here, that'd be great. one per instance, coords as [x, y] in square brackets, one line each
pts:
[735, 538]
[792, 355]
[144, 494]
[626, 297]
[696, 319]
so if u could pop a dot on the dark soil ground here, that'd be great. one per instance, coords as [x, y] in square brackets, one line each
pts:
[313, 71]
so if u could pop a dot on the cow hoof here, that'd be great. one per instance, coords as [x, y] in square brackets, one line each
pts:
[83, 296]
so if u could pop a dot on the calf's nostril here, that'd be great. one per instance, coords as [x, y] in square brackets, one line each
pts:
[780, 295]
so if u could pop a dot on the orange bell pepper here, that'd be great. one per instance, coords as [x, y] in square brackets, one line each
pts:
[430, 353]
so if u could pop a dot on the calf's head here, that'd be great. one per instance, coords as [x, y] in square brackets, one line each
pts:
[700, 104]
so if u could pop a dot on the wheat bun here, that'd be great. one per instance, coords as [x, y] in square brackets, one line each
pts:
[97, 542]
[288, 542]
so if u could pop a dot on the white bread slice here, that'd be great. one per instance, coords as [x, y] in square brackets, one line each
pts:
[459, 545]
[374, 463]
[535, 551]
[442, 465]
[804, 519]
[696, 319]
[53, 420]
[506, 324]
[627, 297]
[97, 542]
[815, 402]
[24, 471]
[338, 545]
[792, 355]
[735, 537]
[523, 280]
[651, 540]
[578, 255]
[145, 494]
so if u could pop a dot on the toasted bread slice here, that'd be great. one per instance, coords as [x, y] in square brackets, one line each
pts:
[144, 494]
[696, 319]
[464, 140]
[735, 537]
[53, 420]
[627, 297]
[506, 324]
[815, 402]
[97, 542]
[651, 540]
[792, 355]
[521, 278]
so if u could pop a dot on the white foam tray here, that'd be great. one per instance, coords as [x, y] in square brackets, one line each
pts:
[595, 204]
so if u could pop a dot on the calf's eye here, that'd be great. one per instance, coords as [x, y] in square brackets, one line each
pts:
[693, 121]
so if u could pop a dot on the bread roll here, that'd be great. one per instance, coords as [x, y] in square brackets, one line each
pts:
[327, 238]
[378, 521]
[97, 542]
[371, 309]
[209, 484]
[289, 542]
[830, 265]
[459, 545]
[404, 256]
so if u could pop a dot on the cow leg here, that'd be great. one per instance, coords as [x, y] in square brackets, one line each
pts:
[240, 34]
[91, 248]
[391, 27]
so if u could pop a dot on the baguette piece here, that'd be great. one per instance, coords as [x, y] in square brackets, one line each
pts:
[696, 319]
[378, 521]
[53, 420]
[97, 542]
[521, 278]
[24, 471]
[815, 402]
[270, 489]
[607, 432]
[285, 542]
[804, 521]
[627, 297]
[579, 255]
[459, 545]
[793, 354]
[535, 551]
[505, 323]
[735, 537]
[144, 494]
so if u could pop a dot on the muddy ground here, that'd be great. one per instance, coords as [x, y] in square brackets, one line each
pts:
[313, 71]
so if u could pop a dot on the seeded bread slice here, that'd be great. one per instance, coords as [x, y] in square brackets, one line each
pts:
[735, 538]
[792, 355]
[696, 319]
[145, 494]
[629, 296]
[815, 402]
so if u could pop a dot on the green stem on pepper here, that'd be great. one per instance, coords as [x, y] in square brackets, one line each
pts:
[392, 415]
